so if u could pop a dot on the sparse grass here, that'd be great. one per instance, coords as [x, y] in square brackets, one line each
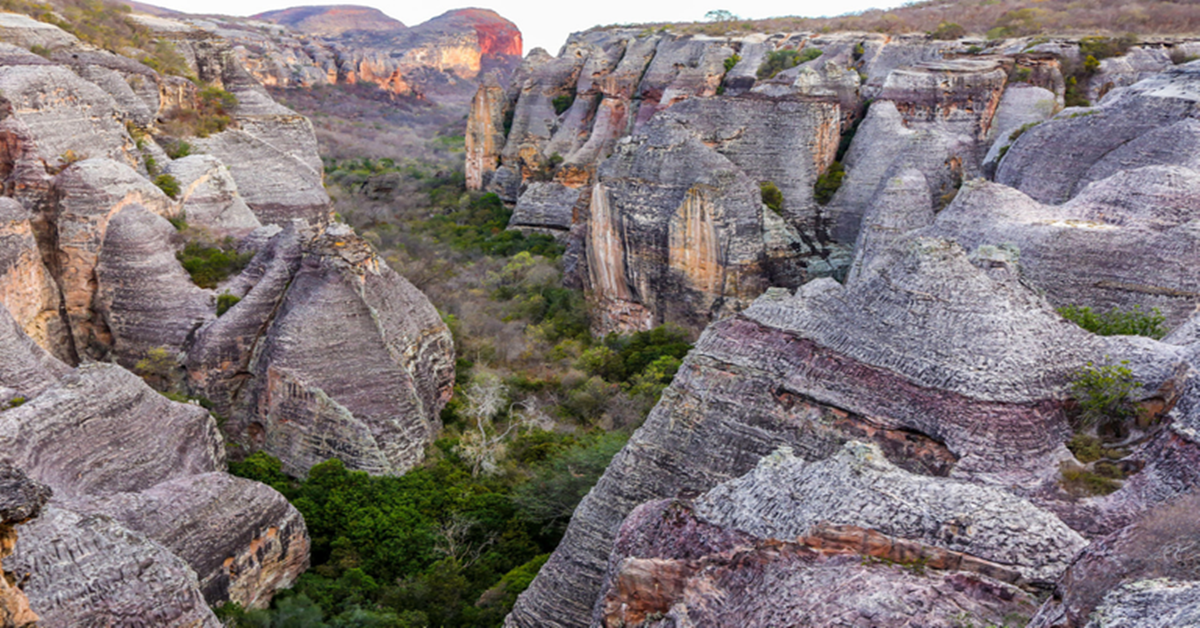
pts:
[1088, 448]
[213, 114]
[1081, 482]
[777, 61]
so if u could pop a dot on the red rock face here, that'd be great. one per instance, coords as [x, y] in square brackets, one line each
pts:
[497, 36]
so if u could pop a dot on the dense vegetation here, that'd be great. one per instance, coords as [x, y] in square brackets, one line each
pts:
[540, 407]
[207, 259]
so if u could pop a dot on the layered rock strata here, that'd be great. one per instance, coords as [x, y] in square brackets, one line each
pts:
[21, 499]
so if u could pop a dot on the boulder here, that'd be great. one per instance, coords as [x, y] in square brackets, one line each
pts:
[21, 499]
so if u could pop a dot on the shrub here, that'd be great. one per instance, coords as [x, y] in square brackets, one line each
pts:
[210, 264]
[168, 184]
[16, 402]
[212, 115]
[1105, 47]
[772, 196]
[1103, 394]
[164, 59]
[777, 61]
[178, 149]
[562, 103]
[1088, 448]
[731, 62]
[226, 301]
[948, 31]
[828, 183]
[1022, 75]
[1115, 322]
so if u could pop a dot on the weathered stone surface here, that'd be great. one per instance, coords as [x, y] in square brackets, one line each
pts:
[26, 287]
[27, 32]
[1148, 214]
[783, 497]
[21, 499]
[87, 196]
[322, 299]
[934, 118]
[69, 436]
[484, 137]
[1157, 603]
[926, 345]
[210, 197]
[546, 205]
[26, 369]
[902, 205]
[144, 297]
[1053, 161]
[1139, 63]
[243, 539]
[88, 570]
[668, 569]
[1022, 104]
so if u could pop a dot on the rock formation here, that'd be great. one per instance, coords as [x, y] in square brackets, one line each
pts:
[21, 499]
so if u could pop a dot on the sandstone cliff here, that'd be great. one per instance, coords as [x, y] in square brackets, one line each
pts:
[834, 134]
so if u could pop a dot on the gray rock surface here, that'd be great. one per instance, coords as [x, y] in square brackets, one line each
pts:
[241, 537]
[1149, 604]
[319, 299]
[144, 297]
[964, 361]
[69, 436]
[1147, 214]
[88, 570]
[784, 497]
[1053, 161]
[1022, 104]
[210, 197]
[21, 499]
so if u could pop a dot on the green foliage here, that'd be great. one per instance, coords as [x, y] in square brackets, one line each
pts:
[948, 31]
[102, 24]
[164, 59]
[16, 402]
[41, 51]
[178, 149]
[1022, 75]
[1012, 137]
[1100, 48]
[558, 486]
[168, 184]
[211, 263]
[1090, 65]
[777, 61]
[226, 301]
[1081, 482]
[482, 224]
[557, 313]
[772, 196]
[1103, 394]
[1075, 96]
[1017, 23]
[1116, 322]
[732, 62]
[1088, 448]
[562, 103]
[974, 50]
[859, 51]
[620, 358]
[828, 183]
[213, 114]
[720, 15]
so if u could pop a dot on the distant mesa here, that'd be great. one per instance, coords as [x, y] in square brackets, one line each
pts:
[497, 35]
[333, 20]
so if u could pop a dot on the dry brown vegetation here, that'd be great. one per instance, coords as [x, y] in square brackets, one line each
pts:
[1013, 18]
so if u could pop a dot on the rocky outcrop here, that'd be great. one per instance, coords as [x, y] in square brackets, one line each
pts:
[26, 288]
[144, 297]
[311, 300]
[1149, 214]
[440, 60]
[950, 367]
[209, 196]
[87, 570]
[676, 229]
[1151, 123]
[21, 499]
[485, 133]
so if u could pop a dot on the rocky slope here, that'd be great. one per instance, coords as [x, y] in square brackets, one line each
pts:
[145, 527]
[940, 359]
[441, 60]
[908, 120]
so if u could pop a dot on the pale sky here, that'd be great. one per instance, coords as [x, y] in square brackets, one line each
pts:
[546, 24]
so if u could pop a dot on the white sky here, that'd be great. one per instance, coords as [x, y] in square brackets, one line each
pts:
[546, 24]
